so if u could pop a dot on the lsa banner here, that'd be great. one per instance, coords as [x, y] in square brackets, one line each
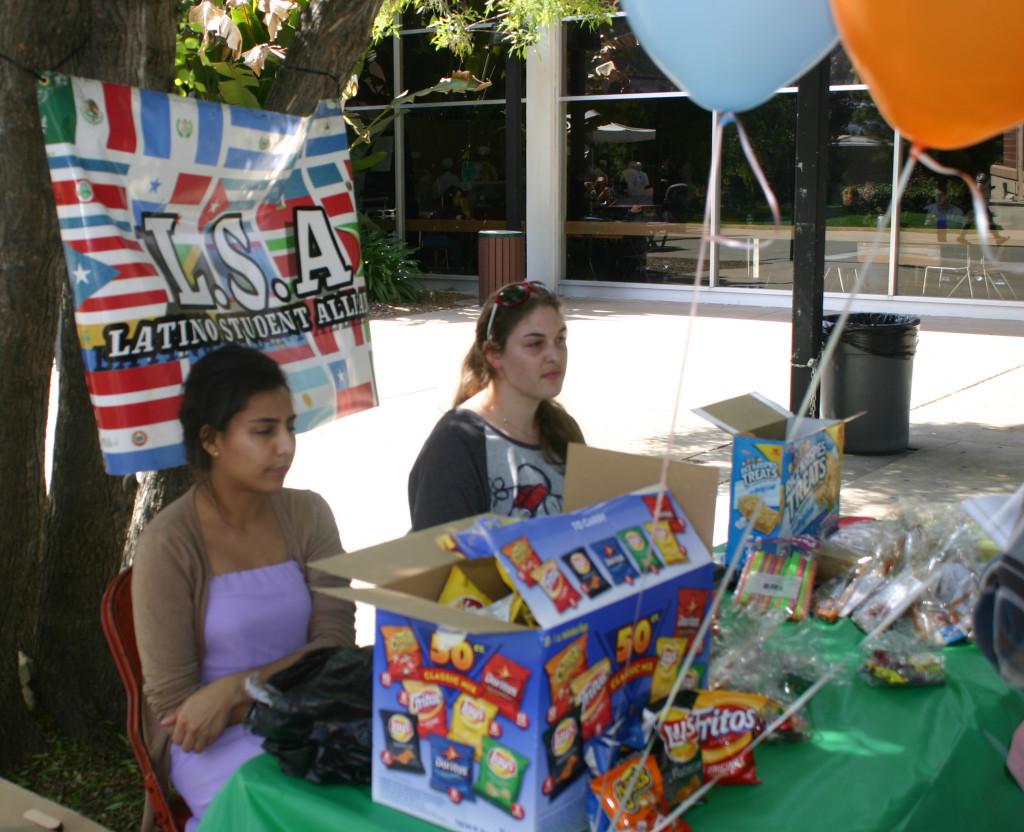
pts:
[187, 225]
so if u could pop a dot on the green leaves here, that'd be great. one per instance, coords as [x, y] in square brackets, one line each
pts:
[230, 50]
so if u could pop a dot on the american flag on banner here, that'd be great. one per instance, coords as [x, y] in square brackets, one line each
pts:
[187, 225]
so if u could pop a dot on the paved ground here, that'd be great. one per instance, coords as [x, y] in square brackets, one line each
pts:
[967, 430]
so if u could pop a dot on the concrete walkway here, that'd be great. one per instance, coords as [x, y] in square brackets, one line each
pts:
[967, 427]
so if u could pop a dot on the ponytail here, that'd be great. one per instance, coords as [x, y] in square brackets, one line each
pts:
[557, 429]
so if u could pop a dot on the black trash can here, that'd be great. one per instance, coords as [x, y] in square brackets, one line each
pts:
[871, 371]
[502, 260]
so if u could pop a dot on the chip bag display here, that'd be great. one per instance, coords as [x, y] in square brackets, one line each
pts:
[590, 692]
[678, 751]
[727, 722]
[591, 581]
[402, 650]
[461, 593]
[471, 720]
[523, 556]
[562, 668]
[671, 652]
[427, 703]
[555, 585]
[504, 683]
[402, 742]
[563, 744]
[672, 551]
[667, 514]
[615, 561]
[501, 776]
[640, 550]
[641, 806]
[451, 769]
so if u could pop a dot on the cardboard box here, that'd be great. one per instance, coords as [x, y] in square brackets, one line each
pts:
[479, 723]
[792, 487]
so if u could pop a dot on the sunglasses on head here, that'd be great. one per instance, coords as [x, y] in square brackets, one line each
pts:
[514, 294]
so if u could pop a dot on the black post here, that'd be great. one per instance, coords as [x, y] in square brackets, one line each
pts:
[809, 230]
[515, 167]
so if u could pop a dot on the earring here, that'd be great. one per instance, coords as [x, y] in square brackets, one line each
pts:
[215, 454]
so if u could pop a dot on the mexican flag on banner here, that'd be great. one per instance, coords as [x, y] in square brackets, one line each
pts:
[188, 225]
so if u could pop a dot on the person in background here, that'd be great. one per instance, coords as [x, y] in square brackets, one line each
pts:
[222, 582]
[942, 214]
[502, 447]
[446, 179]
[635, 182]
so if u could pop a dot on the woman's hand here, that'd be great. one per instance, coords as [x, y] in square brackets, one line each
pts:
[201, 718]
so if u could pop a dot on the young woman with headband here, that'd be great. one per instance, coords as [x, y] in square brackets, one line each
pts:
[502, 447]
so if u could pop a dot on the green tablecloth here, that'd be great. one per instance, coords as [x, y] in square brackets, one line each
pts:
[880, 759]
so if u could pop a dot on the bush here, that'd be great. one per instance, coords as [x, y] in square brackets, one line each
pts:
[388, 265]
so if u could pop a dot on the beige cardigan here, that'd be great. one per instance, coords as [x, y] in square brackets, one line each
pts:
[170, 576]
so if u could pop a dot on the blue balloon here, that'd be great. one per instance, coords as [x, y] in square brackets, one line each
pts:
[733, 54]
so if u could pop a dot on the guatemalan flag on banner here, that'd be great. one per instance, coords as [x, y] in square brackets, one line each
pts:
[188, 225]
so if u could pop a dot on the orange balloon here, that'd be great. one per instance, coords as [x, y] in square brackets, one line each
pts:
[946, 73]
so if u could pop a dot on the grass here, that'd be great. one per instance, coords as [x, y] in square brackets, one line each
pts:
[96, 778]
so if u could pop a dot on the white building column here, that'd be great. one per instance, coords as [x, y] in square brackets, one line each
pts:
[545, 160]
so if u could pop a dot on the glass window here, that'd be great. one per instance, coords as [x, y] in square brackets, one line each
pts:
[376, 81]
[841, 70]
[939, 252]
[423, 65]
[745, 214]
[636, 172]
[858, 191]
[373, 174]
[455, 182]
[609, 61]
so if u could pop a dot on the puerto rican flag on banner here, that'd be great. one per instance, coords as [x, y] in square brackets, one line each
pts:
[188, 225]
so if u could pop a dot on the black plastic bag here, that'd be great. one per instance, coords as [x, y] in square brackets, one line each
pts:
[315, 715]
[877, 333]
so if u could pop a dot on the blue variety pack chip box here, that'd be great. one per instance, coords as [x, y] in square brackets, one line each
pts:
[480, 724]
[790, 487]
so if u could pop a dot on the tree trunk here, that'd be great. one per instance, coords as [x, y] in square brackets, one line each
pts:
[37, 36]
[90, 531]
[331, 38]
[85, 525]
[89, 514]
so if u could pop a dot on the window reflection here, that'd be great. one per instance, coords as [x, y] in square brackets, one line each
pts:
[610, 61]
[859, 189]
[423, 65]
[455, 183]
[373, 174]
[635, 182]
[376, 81]
[940, 252]
[745, 215]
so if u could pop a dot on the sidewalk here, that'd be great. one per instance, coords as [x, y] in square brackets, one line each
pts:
[967, 432]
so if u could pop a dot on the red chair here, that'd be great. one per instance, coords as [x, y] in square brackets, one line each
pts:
[171, 813]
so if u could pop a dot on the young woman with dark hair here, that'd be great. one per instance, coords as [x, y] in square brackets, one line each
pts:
[222, 585]
[502, 446]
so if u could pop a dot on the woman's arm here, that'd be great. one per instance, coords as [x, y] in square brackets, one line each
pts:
[448, 481]
[165, 573]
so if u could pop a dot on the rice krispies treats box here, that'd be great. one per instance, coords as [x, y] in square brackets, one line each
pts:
[789, 488]
[480, 724]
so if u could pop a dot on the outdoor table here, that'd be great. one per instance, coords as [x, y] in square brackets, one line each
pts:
[879, 759]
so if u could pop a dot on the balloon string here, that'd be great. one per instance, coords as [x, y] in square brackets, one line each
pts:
[874, 250]
[709, 202]
[766, 189]
[977, 199]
